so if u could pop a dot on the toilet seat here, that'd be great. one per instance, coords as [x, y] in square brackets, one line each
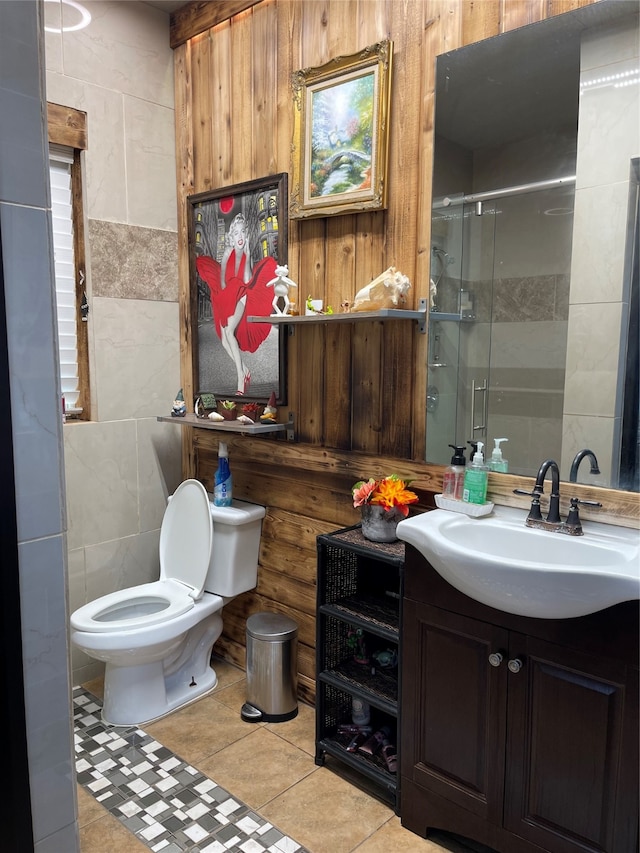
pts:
[186, 540]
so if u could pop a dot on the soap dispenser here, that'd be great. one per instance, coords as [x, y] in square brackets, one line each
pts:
[476, 478]
[453, 479]
[497, 463]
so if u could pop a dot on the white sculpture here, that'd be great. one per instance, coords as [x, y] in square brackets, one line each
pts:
[281, 285]
[388, 290]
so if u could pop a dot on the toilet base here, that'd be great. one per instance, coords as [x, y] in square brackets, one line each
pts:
[135, 695]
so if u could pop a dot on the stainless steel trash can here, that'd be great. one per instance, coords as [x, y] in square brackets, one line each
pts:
[272, 668]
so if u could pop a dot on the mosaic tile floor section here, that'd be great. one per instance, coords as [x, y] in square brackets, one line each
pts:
[167, 804]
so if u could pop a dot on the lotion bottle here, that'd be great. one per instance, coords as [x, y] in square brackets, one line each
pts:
[453, 479]
[223, 486]
[476, 478]
[497, 463]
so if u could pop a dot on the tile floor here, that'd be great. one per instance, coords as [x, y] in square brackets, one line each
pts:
[266, 785]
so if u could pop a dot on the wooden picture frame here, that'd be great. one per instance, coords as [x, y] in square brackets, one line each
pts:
[341, 134]
[237, 236]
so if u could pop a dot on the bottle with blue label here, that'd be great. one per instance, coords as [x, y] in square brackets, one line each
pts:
[223, 486]
[476, 478]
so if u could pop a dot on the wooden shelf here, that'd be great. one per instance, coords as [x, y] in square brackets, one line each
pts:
[229, 426]
[310, 319]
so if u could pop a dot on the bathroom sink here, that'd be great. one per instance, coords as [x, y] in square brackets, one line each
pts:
[498, 561]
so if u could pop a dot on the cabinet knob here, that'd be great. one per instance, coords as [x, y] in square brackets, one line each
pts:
[515, 665]
[495, 658]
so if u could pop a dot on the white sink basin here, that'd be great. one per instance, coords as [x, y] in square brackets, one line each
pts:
[498, 561]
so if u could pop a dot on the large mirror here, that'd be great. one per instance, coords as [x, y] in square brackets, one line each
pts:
[533, 325]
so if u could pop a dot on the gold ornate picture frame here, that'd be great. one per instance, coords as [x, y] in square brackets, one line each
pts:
[341, 134]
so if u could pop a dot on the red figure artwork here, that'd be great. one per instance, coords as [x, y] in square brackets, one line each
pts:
[238, 289]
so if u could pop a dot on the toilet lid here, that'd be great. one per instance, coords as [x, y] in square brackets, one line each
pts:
[186, 537]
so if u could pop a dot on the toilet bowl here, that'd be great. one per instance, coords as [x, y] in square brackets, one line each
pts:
[156, 639]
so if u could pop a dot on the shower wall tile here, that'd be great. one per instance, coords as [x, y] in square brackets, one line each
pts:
[35, 395]
[523, 300]
[593, 352]
[151, 164]
[101, 469]
[122, 563]
[519, 345]
[599, 243]
[108, 53]
[47, 687]
[137, 357]
[130, 262]
[159, 468]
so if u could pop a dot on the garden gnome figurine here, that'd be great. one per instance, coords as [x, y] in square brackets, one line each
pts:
[281, 285]
[179, 409]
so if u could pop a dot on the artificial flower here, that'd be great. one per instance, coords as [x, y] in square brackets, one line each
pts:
[389, 492]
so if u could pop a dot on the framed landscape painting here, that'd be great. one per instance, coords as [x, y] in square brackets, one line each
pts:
[237, 237]
[341, 134]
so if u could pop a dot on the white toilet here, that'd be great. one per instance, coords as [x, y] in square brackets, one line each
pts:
[156, 638]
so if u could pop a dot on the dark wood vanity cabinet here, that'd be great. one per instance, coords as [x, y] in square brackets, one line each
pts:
[519, 733]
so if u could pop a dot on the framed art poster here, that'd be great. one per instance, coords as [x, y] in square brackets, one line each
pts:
[237, 237]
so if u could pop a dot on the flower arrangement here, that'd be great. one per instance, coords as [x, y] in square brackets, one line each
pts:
[389, 492]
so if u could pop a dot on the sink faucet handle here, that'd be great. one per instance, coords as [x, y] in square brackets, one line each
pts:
[573, 519]
[535, 513]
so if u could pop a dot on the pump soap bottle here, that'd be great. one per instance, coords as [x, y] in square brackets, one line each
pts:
[497, 463]
[476, 478]
[223, 487]
[453, 479]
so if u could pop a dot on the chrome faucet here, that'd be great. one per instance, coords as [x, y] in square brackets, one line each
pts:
[553, 522]
[580, 455]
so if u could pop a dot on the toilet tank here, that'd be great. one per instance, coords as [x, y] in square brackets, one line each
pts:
[233, 567]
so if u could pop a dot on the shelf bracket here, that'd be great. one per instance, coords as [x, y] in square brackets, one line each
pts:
[291, 436]
[422, 322]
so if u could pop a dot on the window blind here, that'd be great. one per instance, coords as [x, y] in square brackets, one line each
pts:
[60, 162]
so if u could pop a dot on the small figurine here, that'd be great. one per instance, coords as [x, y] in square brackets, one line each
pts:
[270, 411]
[179, 409]
[281, 285]
[203, 404]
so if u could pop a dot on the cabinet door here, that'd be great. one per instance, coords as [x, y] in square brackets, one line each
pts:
[454, 703]
[572, 754]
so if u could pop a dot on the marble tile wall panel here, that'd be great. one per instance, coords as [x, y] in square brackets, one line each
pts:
[137, 357]
[21, 140]
[599, 243]
[593, 345]
[122, 563]
[125, 48]
[609, 126]
[151, 164]
[101, 473]
[600, 434]
[104, 171]
[129, 262]
[159, 468]
[47, 685]
[35, 395]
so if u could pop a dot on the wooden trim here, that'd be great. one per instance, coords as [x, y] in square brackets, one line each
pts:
[67, 126]
[84, 397]
[194, 18]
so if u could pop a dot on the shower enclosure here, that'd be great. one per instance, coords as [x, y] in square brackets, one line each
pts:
[500, 275]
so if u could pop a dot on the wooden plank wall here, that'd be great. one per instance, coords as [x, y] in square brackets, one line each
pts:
[357, 391]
